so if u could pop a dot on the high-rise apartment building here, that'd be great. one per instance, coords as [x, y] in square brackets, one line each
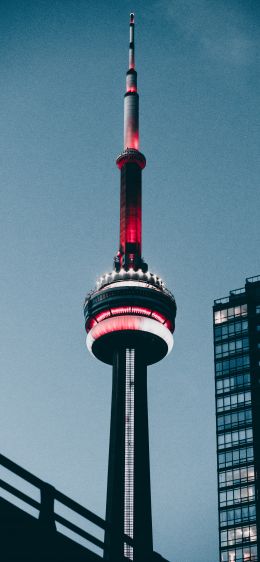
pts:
[237, 379]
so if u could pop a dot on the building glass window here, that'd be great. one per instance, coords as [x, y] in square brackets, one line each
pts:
[236, 476]
[238, 535]
[237, 515]
[232, 401]
[242, 554]
[232, 383]
[234, 458]
[230, 329]
[228, 313]
[237, 495]
[234, 419]
[233, 438]
[257, 309]
[236, 363]
[231, 347]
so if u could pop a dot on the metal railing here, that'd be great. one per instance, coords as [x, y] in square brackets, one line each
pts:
[235, 292]
[151, 280]
[253, 279]
[222, 300]
[47, 506]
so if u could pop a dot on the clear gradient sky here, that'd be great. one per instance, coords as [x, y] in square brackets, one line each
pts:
[62, 67]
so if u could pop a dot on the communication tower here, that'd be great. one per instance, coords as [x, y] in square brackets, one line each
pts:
[130, 320]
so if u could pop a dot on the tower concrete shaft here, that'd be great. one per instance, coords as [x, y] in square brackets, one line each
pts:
[128, 492]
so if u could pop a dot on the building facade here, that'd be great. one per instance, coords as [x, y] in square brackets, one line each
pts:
[236, 321]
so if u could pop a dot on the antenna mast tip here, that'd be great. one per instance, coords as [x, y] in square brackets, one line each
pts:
[132, 18]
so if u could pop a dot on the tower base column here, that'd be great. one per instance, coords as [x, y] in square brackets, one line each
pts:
[128, 509]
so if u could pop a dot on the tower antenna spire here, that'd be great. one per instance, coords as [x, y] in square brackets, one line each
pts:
[131, 163]
[132, 42]
[131, 103]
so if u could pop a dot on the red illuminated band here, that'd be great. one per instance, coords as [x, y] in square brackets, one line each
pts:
[125, 311]
[132, 323]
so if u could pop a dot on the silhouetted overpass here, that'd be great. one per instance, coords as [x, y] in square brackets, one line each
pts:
[40, 524]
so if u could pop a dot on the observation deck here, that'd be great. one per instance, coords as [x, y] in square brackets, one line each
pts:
[130, 308]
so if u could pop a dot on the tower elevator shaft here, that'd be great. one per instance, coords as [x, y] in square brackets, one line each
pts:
[128, 493]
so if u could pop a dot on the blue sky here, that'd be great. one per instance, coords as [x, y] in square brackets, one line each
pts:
[62, 67]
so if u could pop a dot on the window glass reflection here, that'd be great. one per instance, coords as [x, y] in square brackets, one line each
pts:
[237, 515]
[236, 476]
[232, 383]
[237, 495]
[233, 401]
[236, 363]
[231, 312]
[231, 347]
[240, 554]
[237, 535]
[233, 458]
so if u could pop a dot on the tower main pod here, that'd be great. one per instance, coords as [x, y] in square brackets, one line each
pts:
[129, 319]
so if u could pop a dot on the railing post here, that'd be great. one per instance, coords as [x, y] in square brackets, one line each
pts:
[46, 515]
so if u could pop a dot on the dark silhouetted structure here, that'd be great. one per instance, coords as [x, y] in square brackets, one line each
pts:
[31, 513]
[130, 319]
[237, 377]
[40, 524]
